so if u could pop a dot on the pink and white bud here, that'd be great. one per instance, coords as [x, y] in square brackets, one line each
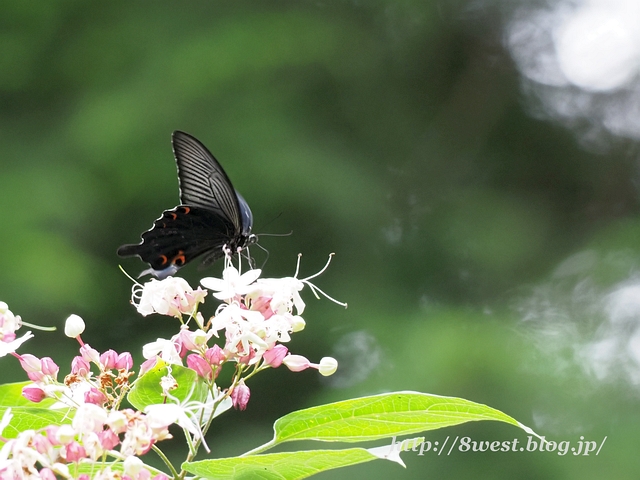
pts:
[327, 366]
[33, 393]
[46, 474]
[42, 444]
[193, 341]
[275, 355]
[200, 366]
[33, 366]
[108, 359]
[95, 396]
[74, 326]
[108, 439]
[80, 367]
[51, 432]
[215, 355]
[74, 452]
[49, 367]
[124, 361]
[148, 365]
[30, 363]
[296, 363]
[90, 354]
[240, 396]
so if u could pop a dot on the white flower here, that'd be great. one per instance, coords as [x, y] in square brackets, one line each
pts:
[171, 296]
[284, 293]
[74, 326]
[231, 284]
[327, 366]
[89, 418]
[164, 414]
[132, 465]
[9, 322]
[165, 348]
[10, 347]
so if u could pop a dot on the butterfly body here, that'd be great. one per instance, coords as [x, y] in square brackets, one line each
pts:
[213, 216]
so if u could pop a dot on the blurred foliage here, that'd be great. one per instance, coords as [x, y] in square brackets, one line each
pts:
[391, 133]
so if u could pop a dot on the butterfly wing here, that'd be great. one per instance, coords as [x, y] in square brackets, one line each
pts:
[203, 182]
[180, 235]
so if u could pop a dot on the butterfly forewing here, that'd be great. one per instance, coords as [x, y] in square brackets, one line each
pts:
[203, 182]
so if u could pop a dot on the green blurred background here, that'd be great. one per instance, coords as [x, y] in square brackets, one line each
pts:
[486, 248]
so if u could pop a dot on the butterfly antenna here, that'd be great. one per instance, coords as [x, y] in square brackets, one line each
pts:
[276, 234]
[265, 251]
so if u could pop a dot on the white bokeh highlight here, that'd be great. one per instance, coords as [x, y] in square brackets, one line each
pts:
[581, 61]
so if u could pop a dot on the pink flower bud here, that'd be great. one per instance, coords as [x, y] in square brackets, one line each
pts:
[215, 355]
[74, 452]
[108, 359]
[79, 366]
[36, 376]
[246, 359]
[274, 356]
[148, 365]
[125, 361]
[33, 393]
[89, 354]
[188, 339]
[240, 396]
[49, 367]
[42, 445]
[95, 396]
[200, 365]
[296, 363]
[46, 474]
[51, 432]
[30, 363]
[108, 439]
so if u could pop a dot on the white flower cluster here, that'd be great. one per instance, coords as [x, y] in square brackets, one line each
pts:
[256, 317]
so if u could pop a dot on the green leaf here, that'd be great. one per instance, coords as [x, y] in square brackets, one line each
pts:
[33, 418]
[147, 389]
[278, 466]
[382, 416]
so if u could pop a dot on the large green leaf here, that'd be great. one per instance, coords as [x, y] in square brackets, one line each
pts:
[358, 420]
[278, 466]
[382, 416]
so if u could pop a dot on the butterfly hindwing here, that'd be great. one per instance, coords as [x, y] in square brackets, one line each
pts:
[180, 235]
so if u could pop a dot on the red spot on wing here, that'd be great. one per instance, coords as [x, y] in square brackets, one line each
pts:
[179, 260]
